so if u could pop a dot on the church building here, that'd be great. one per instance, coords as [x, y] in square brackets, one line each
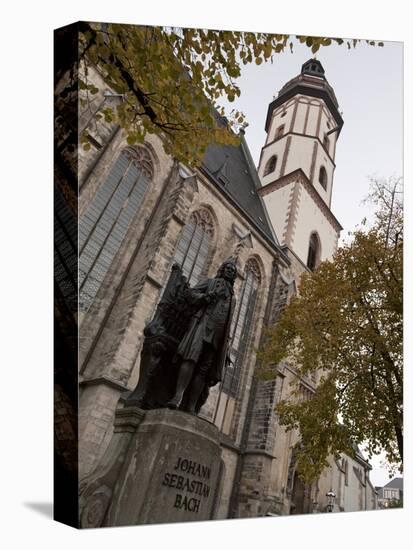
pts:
[141, 211]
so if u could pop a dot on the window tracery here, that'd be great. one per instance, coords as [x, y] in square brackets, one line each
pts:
[194, 245]
[104, 224]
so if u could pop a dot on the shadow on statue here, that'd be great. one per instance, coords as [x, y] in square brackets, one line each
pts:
[186, 343]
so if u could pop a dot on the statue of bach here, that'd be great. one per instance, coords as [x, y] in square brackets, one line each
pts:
[203, 350]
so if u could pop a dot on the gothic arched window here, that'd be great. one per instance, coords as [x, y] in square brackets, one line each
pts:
[313, 258]
[193, 246]
[270, 166]
[105, 222]
[322, 177]
[242, 325]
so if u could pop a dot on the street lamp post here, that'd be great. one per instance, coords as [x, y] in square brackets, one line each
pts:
[330, 500]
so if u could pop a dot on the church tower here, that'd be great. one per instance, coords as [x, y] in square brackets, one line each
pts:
[297, 165]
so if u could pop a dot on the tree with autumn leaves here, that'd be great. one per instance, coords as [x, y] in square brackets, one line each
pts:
[171, 80]
[346, 324]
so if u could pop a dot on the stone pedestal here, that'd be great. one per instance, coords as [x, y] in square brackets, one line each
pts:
[169, 472]
[96, 490]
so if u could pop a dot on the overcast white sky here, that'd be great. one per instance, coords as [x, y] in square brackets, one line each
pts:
[368, 83]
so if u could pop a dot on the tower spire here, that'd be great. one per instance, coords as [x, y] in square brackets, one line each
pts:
[297, 164]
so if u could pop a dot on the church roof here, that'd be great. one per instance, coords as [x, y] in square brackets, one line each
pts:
[232, 170]
[357, 450]
[359, 455]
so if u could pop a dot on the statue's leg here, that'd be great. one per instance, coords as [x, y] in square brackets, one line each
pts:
[186, 371]
[195, 390]
[199, 380]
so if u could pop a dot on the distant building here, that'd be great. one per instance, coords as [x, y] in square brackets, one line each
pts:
[391, 494]
[348, 478]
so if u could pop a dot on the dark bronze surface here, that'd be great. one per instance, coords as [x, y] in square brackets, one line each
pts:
[185, 346]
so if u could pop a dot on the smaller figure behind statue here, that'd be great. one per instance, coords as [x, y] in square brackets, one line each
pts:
[203, 349]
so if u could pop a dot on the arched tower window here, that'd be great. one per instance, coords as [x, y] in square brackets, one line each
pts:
[279, 131]
[313, 258]
[105, 222]
[242, 325]
[270, 166]
[322, 177]
[194, 245]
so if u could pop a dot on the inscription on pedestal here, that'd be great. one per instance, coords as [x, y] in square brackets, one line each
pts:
[192, 486]
[171, 472]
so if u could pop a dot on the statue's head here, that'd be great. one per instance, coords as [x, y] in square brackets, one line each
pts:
[228, 270]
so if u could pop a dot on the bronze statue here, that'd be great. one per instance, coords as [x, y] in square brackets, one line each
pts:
[202, 352]
[186, 343]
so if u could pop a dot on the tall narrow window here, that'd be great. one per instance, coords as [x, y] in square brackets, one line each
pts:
[345, 471]
[326, 142]
[322, 177]
[279, 132]
[65, 249]
[194, 244]
[270, 166]
[105, 222]
[313, 258]
[242, 325]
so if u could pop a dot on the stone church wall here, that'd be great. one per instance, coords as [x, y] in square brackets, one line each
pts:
[111, 331]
